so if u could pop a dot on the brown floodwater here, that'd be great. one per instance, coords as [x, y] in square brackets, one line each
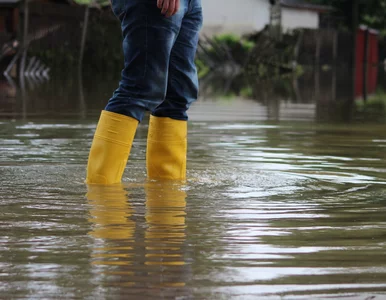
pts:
[279, 203]
[270, 210]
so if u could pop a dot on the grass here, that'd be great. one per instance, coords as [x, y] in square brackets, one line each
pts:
[374, 108]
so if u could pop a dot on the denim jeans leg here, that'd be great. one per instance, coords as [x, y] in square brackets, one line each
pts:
[182, 86]
[148, 38]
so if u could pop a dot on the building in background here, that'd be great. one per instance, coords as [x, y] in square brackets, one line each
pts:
[245, 16]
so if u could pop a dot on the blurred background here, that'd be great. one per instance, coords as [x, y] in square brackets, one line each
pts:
[309, 60]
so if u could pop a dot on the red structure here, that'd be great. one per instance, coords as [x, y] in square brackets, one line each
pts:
[367, 60]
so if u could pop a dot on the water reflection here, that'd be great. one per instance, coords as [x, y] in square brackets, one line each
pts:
[130, 251]
[110, 213]
[321, 95]
[290, 210]
[165, 218]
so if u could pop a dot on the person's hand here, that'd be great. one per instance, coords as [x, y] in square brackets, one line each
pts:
[168, 7]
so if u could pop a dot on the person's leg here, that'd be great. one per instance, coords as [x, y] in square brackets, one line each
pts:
[148, 37]
[167, 137]
[182, 86]
[148, 40]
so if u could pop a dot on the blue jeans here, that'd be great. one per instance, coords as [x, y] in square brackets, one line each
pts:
[159, 75]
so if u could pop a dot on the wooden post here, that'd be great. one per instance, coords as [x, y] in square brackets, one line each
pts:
[84, 35]
[82, 102]
[317, 84]
[334, 63]
[24, 48]
[317, 66]
[297, 47]
[366, 65]
[335, 47]
[275, 20]
[25, 38]
[354, 29]
[317, 48]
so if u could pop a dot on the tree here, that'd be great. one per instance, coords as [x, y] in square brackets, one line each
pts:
[371, 13]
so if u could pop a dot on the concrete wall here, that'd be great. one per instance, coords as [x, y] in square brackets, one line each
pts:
[297, 18]
[245, 16]
[236, 16]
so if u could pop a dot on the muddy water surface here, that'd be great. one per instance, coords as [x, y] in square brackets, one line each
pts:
[284, 210]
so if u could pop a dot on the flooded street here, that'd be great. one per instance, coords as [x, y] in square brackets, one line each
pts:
[271, 210]
[285, 197]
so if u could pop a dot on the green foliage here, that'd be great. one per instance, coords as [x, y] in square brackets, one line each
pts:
[262, 70]
[234, 41]
[93, 2]
[299, 70]
[227, 48]
[256, 55]
[229, 39]
[202, 69]
[373, 109]
[246, 92]
[371, 13]
[374, 16]
[248, 45]
[60, 59]
[103, 52]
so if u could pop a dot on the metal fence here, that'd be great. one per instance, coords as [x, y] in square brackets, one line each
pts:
[55, 32]
[325, 47]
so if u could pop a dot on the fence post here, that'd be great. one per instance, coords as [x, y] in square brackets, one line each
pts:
[317, 65]
[334, 63]
[297, 46]
[335, 47]
[354, 30]
[25, 38]
[24, 49]
[84, 34]
[365, 65]
[82, 102]
[318, 47]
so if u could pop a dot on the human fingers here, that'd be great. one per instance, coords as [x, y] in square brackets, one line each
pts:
[172, 7]
[159, 3]
[177, 7]
[165, 6]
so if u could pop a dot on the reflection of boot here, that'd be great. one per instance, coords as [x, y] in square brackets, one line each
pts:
[113, 230]
[110, 148]
[110, 212]
[165, 217]
[166, 148]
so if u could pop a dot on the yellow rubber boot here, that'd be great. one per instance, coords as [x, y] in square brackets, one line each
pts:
[110, 148]
[166, 149]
